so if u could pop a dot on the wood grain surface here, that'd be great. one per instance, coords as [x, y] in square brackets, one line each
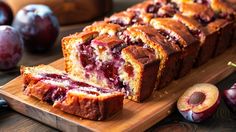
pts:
[135, 116]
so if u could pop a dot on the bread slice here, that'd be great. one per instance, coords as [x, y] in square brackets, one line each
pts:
[207, 37]
[106, 60]
[66, 93]
[168, 52]
[188, 44]
[225, 34]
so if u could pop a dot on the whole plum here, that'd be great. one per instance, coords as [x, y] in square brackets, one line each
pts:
[38, 26]
[11, 47]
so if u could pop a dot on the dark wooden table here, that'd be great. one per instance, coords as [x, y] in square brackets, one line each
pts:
[12, 121]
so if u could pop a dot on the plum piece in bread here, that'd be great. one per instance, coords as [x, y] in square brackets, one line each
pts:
[179, 33]
[66, 93]
[106, 60]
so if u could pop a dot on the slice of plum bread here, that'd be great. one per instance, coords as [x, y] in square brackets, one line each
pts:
[166, 50]
[66, 93]
[179, 33]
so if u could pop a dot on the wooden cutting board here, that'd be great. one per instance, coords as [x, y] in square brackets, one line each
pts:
[134, 116]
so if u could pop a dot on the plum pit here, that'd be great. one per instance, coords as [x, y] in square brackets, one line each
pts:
[197, 98]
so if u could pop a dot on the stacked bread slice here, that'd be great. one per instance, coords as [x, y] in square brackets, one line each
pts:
[149, 45]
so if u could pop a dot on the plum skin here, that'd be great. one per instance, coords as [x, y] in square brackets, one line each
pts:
[38, 26]
[11, 47]
[201, 116]
[6, 14]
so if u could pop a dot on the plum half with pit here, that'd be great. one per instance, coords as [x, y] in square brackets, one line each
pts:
[38, 26]
[6, 15]
[11, 47]
[199, 102]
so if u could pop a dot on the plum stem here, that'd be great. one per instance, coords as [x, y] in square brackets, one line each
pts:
[231, 64]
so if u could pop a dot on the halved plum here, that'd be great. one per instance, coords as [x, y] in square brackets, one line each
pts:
[199, 102]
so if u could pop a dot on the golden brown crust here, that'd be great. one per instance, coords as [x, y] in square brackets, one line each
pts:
[174, 28]
[123, 18]
[189, 22]
[139, 54]
[197, 10]
[107, 41]
[103, 27]
[220, 6]
[127, 18]
[141, 7]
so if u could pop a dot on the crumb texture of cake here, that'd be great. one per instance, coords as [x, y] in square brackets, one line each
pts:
[67, 93]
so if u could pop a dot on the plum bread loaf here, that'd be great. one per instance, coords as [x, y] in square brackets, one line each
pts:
[108, 61]
[66, 93]
[149, 44]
